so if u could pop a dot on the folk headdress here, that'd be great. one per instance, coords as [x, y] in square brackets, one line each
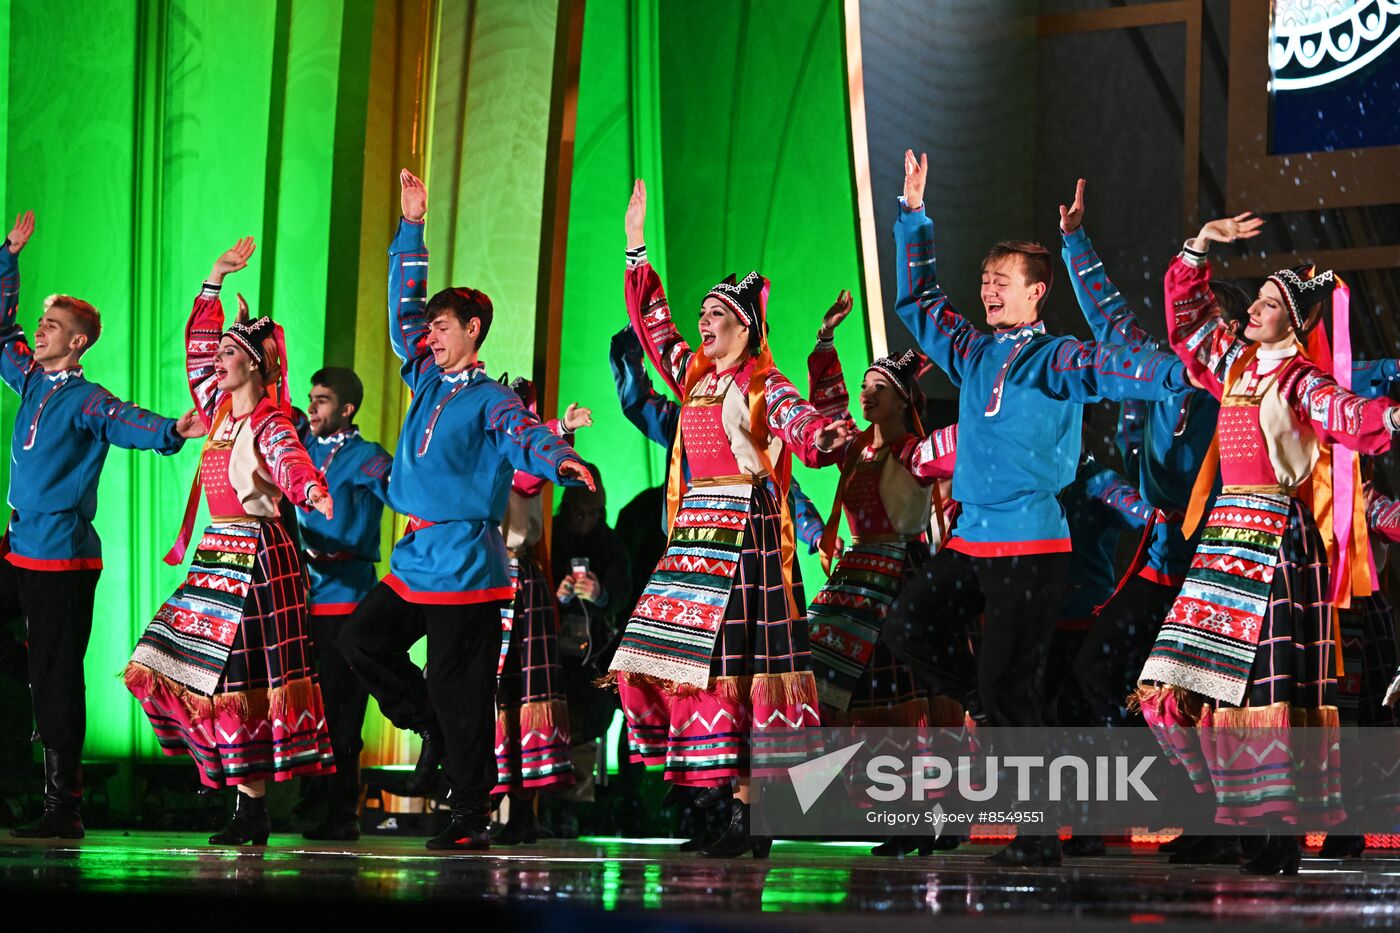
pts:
[748, 299]
[903, 372]
[1303, 287]
[263, 340]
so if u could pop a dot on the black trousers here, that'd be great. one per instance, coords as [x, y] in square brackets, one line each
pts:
[344, 696]
[999, 672]
[1117, 646]
[57, 608]
[459, 693]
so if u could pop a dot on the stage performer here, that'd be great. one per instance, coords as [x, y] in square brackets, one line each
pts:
[719, 635]
[532, 722]
[63, 430]
[1249, 645]
[340, 556]
[463, 438]
[1019, 438]
[224, 670]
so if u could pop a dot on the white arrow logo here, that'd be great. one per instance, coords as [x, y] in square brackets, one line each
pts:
[811, 778]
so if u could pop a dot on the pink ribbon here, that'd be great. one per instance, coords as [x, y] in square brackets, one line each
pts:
[1343, 458]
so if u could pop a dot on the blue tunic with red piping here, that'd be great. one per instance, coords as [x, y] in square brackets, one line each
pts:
[62, 433]
[341, 552]
[463, 438]
[1019, 405]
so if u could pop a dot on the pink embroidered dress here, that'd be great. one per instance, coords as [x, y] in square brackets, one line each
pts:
[225, 669]
[1249, 647]
[714, 669]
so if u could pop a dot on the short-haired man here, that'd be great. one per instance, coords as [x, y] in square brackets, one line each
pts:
[1019, 420]
[53, 556]
[463, 438]
[340, 556]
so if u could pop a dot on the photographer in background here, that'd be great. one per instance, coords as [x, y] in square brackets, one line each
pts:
[590, 562]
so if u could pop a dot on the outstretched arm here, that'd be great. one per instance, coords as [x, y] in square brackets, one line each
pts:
[290, 465]
[408, 281]
[16, 358]
[1083, 371]
[932, 458]
[1103, 306]
[1335, 414]
[812, 437]
[944, 335]
[530, 447]
[647, 309]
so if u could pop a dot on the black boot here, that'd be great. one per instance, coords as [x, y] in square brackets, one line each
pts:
[423, 781]
[1084, 846]
[1208, 850]
[522, 826]
[1338, 846]
[1028, 852]
[342, 820]
[63, 796]
[469, 830]
[250, 823]
[1280, 856]
[736, 839]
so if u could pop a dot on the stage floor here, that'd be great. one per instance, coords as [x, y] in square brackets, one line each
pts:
[574, 885]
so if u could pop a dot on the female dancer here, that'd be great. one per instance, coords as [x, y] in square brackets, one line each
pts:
[224, 670]
[716, 649]
[1248, 647]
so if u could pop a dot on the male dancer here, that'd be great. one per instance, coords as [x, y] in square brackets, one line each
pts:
[463, 438]
[53, 557]
[1018, 446]
[340, 555]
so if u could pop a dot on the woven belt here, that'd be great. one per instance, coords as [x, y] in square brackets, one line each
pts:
[741, 479]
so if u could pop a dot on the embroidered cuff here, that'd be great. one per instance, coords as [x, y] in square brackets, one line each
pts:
[1392, 419]
[1195, 258]
[637, 256]
[209, 289]
[825, 343]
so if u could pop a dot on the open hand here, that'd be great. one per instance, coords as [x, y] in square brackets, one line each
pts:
[1229, 229]
[320, 500]
[835, 315]
[21, 232]
[636, 215]
[413, 196]
[915, 179]
[231, 261]
[575, 470]
[1072, 217]
[575, 417]
[191, 425]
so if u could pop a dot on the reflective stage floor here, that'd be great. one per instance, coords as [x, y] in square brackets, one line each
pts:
[639, 885]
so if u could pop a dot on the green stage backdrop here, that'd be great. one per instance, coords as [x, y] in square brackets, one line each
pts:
[184, 124]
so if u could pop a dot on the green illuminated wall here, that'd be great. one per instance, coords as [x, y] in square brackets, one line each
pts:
[184, 124]
[735, 114]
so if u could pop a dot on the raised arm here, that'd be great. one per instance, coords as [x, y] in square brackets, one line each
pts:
[931, 458]
[826, 384]
[1196, 328]
[944, 335]
[575, 417]
[1335, 414]
[206, 326]
[16, 358]
[648, 411]
[408, 282]
[647, 310]
[1103, 306]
